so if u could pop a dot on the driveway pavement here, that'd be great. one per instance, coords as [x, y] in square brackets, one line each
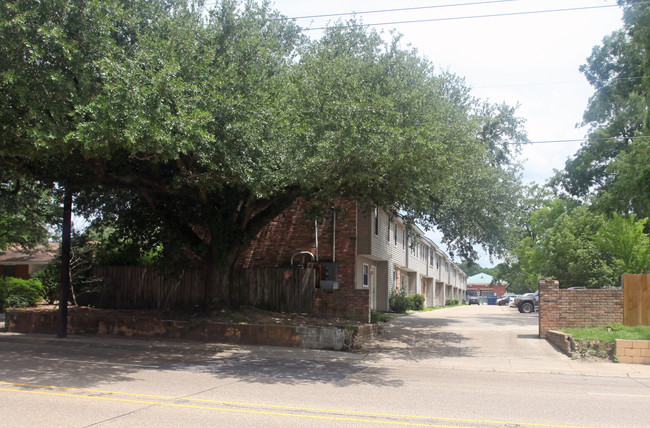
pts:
[482, 337]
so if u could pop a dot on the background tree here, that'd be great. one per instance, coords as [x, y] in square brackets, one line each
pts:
[470, 267]
[623, 240]
[28, 210]
[523, 266]
[612, 164]
[589, 242]
[570, 254]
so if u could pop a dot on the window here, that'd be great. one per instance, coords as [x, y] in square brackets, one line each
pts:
[431, 256]
[366, 270]
[10, 270]
[388, 234]
[404, 240]
[395, 234]
[376, 221]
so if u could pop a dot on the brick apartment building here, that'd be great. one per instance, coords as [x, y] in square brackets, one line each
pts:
[364, 256]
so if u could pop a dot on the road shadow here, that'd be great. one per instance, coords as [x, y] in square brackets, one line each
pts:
[413, 338]
[68, 363]
[58, 364]
[528, 336]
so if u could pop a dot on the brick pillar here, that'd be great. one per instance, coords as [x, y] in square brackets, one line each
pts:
[548, 305]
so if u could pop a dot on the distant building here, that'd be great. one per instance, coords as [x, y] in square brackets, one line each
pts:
[481, 284]
[18, 264]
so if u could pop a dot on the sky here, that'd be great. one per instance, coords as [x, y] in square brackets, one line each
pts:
[530, 60]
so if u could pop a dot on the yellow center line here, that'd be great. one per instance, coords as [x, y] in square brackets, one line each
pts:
[221, 409]
[270, 406]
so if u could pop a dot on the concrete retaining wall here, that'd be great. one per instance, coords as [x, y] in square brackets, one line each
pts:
[311, 337]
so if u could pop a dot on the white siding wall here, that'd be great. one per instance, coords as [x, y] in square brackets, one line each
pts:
[378, 247]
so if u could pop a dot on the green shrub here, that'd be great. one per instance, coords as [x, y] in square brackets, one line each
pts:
[398, 302]
[21, 292]
[416, 302]
[50, 278]
[452, 302]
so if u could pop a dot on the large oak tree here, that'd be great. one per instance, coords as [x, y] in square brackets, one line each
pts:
[190, 129]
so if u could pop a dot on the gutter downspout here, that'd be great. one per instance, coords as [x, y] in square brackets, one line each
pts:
[334, 239]
[316, 233]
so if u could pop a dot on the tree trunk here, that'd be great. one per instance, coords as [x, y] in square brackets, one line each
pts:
[65, 264]
[231, 285]
[220, 287]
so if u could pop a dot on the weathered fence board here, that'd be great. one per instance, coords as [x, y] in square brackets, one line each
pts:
[133, 287]
[636, 299]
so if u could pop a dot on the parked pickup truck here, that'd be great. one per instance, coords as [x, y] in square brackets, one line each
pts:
[527, 303]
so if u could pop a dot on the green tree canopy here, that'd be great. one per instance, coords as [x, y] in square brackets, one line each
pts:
[188, 131]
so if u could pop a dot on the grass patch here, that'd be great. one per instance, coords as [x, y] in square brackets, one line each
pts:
[376, 317]
[438, 308]
[610, 333]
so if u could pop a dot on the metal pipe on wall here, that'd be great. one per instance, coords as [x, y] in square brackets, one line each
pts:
[334, 238]
[316, 233]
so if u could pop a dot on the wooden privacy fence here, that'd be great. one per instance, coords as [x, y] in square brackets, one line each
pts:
[636, 299]
[134, 287]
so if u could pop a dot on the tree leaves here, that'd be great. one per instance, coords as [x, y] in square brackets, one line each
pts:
[193, 129]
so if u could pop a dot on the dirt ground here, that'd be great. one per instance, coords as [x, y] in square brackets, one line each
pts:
[594, 350]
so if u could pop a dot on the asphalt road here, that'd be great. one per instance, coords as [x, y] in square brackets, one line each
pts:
[461, 367]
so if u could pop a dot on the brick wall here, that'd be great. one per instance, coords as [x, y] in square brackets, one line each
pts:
[633, 351]
[292, 231]
[312, 337]
[343, 303]
[366, 332]
[498, 289]
[562, 341]
[561, 309]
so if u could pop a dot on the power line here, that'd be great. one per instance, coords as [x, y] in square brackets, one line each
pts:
[579, 140]
[404, 9]
[457, 18]
[530, 143]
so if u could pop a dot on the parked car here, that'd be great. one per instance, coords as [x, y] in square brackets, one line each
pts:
[528, 302]
[505, 300]
[473, 300]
